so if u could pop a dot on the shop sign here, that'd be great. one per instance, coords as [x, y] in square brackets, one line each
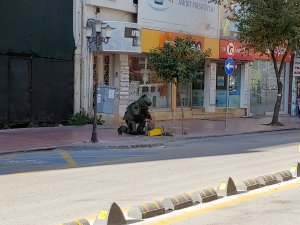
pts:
[152, 39]
[278, 55]
[193, 17]
[125, 37]
[296, 70]
[235, 50]
[170, 37]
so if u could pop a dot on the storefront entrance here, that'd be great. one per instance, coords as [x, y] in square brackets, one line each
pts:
[264, 88]
[234, 86]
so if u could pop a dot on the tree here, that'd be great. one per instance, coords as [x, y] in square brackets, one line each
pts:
[269, 27]
[179, 62]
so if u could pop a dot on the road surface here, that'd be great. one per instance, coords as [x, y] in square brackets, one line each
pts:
[61, 194]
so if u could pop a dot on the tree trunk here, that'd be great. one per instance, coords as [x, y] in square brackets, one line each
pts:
[278, 71]
[178, 90]
[275, 118]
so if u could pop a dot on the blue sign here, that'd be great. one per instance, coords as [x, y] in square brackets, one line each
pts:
[229, 66]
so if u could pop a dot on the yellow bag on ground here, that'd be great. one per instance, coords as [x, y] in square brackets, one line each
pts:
[158, 131]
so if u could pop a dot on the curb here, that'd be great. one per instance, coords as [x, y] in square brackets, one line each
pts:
[236, 134]
[135, 146]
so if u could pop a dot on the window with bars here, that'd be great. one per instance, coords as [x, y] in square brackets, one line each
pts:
[145, 81]
[106, 63]
[185, 94]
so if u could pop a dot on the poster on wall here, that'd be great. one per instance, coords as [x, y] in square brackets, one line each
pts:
[220, 81]
[294, 98]
[212, 92]
[192, 17]
[228, 29]
[296, 70]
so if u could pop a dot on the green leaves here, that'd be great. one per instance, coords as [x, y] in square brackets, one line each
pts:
[178, 59]
[266, 24]
[79, 119]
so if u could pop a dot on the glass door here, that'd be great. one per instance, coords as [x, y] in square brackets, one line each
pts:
[264, 88]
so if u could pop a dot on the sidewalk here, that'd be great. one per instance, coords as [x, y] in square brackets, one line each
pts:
[26, 139]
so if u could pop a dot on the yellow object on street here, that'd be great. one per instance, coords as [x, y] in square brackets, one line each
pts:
[158, 131]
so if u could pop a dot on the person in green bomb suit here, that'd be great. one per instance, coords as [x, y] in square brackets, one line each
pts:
[136, 113]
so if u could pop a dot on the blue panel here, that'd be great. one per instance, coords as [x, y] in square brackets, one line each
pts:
[229, 66]
[106, 99]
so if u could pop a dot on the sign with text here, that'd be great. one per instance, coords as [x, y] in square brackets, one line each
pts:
[193, 17]
[125, 37]
[170, 37]
[296, 69]
[235, 50]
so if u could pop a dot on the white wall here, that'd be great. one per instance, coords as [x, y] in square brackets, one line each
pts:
[210, 86]
[245, 88]
[123, 5]
[77, 17]
[109, 10]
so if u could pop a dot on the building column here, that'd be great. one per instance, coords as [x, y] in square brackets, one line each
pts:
[123, 75]
[77, 23]
[245, 88]
[210, 86]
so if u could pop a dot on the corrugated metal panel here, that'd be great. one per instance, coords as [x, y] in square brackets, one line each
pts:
[3, 88]
[19, 90]
[41, 28]
[52, 90]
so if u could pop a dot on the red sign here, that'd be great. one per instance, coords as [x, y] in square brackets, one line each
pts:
[278, 55]
[235, 50]
[230, 48]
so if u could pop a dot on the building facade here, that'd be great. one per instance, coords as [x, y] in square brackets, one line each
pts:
[47, 70]
[143, 25]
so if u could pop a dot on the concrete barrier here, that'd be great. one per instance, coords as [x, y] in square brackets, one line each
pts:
[283, 176]
[226, 188]
[295, 170]
[146, 210]
[112, 215]
[177, 202]
[248, 185]
[77, 222]
[267, 180]
[205, 195]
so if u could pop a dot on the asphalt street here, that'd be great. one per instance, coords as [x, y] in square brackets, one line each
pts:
[77, 183]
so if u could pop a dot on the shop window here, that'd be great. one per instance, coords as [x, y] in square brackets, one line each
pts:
[185, 94]
[264, 88]
[145, 81]
[234, 87]
[198, 90]
[192, 93]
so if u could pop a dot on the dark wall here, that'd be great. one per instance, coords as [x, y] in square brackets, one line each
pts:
[43, 28]
[4, 63]
[36, 60]
[52, 90]
[35, 90]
